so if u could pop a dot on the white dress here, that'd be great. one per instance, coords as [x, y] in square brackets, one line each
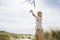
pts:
[38, 22]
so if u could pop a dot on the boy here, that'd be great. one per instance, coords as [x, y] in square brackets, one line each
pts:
[39, 29]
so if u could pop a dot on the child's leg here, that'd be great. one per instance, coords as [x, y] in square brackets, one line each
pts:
[40, 34]
[36, 36]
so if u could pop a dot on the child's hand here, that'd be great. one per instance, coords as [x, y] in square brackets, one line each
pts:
[31, 11]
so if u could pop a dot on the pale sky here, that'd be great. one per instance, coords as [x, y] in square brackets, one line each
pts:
[15, 16]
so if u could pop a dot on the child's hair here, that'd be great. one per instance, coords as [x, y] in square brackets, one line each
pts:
[39, 13]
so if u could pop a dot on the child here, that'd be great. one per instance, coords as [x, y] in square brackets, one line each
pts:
[39, 29]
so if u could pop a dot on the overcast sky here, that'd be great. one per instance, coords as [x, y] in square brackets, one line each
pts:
[15, 16]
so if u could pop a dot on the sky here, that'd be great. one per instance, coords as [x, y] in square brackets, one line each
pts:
[16, 18]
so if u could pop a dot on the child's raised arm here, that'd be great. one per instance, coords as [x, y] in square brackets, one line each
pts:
[33, 13]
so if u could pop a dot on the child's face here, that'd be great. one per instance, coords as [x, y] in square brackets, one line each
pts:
[39, 14]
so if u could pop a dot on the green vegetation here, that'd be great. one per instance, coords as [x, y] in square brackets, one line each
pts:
[4, 35]
[53, 35]
[10, 36]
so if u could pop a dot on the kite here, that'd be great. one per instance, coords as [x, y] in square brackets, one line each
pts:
[31, 2]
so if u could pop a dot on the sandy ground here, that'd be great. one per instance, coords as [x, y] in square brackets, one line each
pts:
[21, 39]
[26, 39]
